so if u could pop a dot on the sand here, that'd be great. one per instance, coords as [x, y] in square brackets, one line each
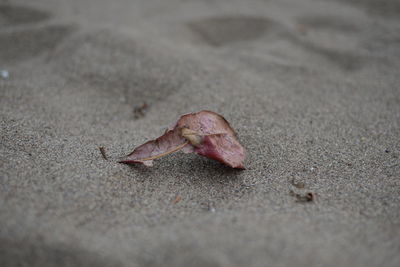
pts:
[311, 87]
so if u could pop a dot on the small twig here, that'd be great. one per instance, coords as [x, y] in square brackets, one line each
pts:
[103, 152]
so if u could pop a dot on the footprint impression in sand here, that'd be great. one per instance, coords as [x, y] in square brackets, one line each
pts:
[21, 35]
[224, 30]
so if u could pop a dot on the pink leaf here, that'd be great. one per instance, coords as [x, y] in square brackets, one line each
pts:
[205, 133]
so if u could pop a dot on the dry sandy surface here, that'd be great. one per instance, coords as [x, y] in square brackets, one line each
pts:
[311, 86]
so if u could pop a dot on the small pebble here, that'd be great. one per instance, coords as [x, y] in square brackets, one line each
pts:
[211, 207]
[4, 74]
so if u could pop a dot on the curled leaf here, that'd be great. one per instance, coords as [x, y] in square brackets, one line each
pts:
[166, 144]
[205, 133]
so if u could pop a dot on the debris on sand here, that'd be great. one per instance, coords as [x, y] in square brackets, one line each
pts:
[140, 111]
[303, 198]
[103, 152]
[205, 133]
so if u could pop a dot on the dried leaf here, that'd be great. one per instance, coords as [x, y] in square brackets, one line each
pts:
[205, 133]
